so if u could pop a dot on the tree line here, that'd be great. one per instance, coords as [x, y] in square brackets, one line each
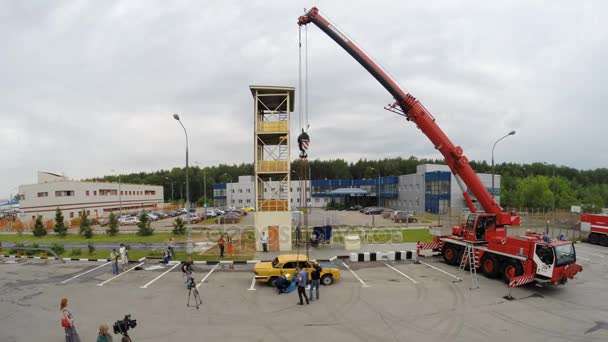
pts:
[535, 185]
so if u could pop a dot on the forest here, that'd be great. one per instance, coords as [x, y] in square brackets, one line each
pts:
[535, 185]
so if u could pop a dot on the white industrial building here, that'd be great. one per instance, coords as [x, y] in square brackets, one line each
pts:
[73, 197]
[242, 193]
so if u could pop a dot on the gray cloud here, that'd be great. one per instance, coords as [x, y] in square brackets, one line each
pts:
[86, 87]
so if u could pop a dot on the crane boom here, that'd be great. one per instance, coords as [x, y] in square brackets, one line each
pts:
[414, 111]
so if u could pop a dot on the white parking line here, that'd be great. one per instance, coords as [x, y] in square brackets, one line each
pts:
[252, 287]
[207, 275]
[440, 270]
[597, 255]
[403, 274]
[118, 275]
[83, 273]
[155, 279]
[355, 274]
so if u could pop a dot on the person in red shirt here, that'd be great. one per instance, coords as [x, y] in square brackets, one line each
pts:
[221, 242]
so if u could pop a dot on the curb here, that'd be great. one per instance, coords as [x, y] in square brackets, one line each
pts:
[381, 256]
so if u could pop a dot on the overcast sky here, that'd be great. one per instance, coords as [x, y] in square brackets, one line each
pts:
[90, 86]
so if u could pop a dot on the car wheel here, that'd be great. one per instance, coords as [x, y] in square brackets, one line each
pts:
[272, 282]
[511, 269]
[450, 254]
[489, 266]
[604, 240]
[327, 280]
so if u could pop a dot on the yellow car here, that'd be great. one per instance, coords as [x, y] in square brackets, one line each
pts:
[248, 208]
[269, 271]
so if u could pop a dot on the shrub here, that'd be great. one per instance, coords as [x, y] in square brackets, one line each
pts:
[39, 230]
[91, 248]
[32, 252]
[84, 222]
[144, 226]
[16, 249]
[76, 251]
[60, 228]
[179, 227]
[57, 248]
[112, 225]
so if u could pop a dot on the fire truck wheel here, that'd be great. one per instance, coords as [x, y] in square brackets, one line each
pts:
[604, 240]
[510, 269]
[450, 254]
[490, 266]
[594, 239]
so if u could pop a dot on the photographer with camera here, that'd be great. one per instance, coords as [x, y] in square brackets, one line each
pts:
[122, 326]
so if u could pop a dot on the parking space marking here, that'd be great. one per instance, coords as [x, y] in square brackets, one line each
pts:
[83, 273]
[207, 276]
[252, 287]
[355, 274]
[118, 275]
[439, 269]
[597, 255]
[403, 274]
[155, 279]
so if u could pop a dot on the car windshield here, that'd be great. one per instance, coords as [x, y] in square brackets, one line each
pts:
[275, 262]
[565, 255]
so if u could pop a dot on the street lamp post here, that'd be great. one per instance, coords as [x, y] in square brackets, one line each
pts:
[170, 180]
[378, 193]
[554, 193]
[231, 199]
[189, 245]
[119, 194]
[510, 133]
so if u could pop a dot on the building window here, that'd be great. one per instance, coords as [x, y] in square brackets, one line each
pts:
[265, 190]
[298, 189]
[106, 192]
[94, 192]
[88, 212]
[21, 197]
[290, 189]
[43, 194]
[87, 192]
[121, 192]
[240, 201]
[241, 191]
[248, 201]
[33, 217]
[232, 201]
[298, 200]
[150, 192]
[232, 190]
[80, 214]
[248, 190]
[316, 200]
[64, 193]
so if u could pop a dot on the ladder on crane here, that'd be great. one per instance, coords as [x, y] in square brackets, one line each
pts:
[468, 259]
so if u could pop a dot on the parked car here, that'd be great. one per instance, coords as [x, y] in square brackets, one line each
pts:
[130, 220]
[152, 216]
[248, 208]
[387, 212]
[218, 212]
[404, 217]
[355, 208]
[227, 218]
[210, 213]
[269, 271]
[194, 218]
[373, 211]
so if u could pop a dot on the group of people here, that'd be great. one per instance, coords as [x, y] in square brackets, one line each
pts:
[67, 322]
[301, 279]
[124, 258]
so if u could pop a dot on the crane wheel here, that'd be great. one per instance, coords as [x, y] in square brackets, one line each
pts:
[450, 254]
[511, 269]
[594, 239]
[604, 240]
[490, 266]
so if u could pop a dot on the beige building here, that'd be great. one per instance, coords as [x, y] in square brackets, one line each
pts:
[73, 197]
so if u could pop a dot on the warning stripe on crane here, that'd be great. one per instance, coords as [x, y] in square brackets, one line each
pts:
[521, 280]
[427, 245]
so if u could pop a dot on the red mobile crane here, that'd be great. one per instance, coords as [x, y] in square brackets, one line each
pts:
[518, 259]
[597, 227]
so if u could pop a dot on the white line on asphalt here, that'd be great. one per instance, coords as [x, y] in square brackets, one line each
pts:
[438, 269]
[155, 279]
[597, 255]
[83, 273]
[207, 275]
[403, 274]
[355, 274]
[252, 287]
[118, 275]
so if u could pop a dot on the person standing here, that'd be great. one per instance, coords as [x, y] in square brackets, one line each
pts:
[221, 242]
[302, 278]
[123, 256]
[104, 335]
[114, 260]
[264, 240]
[67, 322]
[315, 276]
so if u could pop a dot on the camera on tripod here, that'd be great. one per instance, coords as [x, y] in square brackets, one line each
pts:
[122, 326]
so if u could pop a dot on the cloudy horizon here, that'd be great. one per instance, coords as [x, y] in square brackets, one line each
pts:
[88, 87]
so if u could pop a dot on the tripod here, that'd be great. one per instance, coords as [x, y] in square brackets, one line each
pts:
[193, 291]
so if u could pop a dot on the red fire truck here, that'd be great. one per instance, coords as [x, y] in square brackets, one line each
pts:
[597, 227]
[518, 259]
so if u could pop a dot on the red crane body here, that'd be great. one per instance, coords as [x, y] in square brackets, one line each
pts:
[414, 111]
[520, 260]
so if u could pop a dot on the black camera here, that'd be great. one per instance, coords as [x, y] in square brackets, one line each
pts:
[122, 326]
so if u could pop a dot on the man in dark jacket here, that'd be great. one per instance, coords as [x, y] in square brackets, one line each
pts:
[315, 276]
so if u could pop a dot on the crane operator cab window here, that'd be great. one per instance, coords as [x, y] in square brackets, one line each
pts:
[545, 254]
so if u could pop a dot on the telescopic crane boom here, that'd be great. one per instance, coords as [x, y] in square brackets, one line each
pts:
[414, 111]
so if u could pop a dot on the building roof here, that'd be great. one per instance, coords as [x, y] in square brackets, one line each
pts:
[274, 101]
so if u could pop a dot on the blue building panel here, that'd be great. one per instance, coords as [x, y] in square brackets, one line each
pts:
[438, 185]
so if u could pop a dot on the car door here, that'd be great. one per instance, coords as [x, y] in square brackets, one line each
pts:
[289, 268]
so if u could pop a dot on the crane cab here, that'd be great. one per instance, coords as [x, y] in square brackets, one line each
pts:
[481, 227]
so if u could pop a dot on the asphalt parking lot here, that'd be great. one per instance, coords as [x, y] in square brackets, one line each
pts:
[383, 301]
